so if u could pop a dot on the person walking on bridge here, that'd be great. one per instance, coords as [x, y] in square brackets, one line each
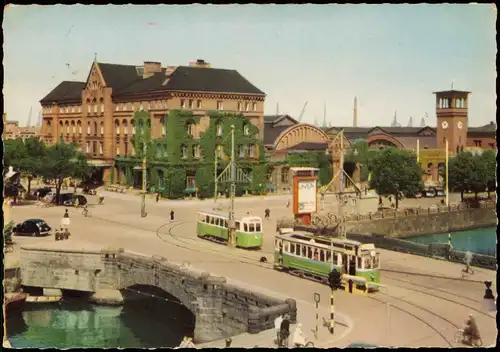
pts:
[277, 328]
[285, 332]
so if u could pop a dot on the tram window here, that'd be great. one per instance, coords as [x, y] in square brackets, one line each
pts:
[315, 254]
[257, 227]
[349, 248]
[297, 249]
[328, 256]
[212, 221]
[376, 262]
[207, 219]
[321, 256]
[237, 225]
[292, 248]
[251, 227]
[287, 247]
[339, 259]
[367, 263]
[309, 252]
[304, 251]
[225, 223]
[245, 227]
[359, 262]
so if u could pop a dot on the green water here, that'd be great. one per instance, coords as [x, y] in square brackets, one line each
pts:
[482, 241]
[74, 324]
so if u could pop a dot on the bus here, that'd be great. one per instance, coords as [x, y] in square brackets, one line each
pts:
[214, 226]
[305, 255]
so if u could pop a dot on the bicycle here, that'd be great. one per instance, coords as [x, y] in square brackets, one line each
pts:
[309, 344]
[459, 338]
[86, 213]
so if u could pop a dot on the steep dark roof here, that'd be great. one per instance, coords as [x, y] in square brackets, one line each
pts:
[491, 127]
[186, 78]
[309, 146]
[271, 133]
[145, 85]
[271, 118]
[119, 76]
[65, 91]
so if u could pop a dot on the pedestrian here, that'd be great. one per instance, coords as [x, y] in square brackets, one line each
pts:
[288, 204]
[468, 262]
[285, 331]
[299, 339]
[157, 197]
[277, 328]
[65, 220]
[172, 215]
[228, 342]
[267, 212]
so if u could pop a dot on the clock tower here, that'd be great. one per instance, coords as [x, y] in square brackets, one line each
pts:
[452, 120]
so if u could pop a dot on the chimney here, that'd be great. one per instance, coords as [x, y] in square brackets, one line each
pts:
[200, 63]
[150, 68]
[169, 70]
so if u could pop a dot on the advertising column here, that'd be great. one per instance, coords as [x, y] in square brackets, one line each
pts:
[304, 197]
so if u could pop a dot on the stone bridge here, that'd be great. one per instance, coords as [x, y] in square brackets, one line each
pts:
[220, 309]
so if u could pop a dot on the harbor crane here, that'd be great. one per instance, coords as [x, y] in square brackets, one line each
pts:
[302, 113]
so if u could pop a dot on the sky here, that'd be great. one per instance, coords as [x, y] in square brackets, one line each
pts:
[391, 57]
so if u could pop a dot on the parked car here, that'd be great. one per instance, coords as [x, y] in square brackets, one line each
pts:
[440, 192]
[42, 192]
[429, 193]
[70, 198]
[32, 227]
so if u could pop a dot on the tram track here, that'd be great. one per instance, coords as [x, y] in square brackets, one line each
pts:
[431, 275]
[432, 327]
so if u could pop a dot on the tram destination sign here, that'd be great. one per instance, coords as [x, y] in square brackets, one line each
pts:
[307, 196]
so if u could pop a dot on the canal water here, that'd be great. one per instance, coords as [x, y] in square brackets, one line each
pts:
[481, 241]
[142, 322]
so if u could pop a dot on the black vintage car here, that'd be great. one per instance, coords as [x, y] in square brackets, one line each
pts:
[68, 199]
[32, 227]
[42, 192]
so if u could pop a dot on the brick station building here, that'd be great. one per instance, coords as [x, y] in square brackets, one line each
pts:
[98, 114]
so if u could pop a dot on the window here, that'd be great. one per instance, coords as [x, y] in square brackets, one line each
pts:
[292, 248]
[297, 249]
[117, 107]
[79, 109]
[251, 151]
[219, 130]
[117, 127]
[88, 147]
[102, 107]
[242, 151]
[141, 108]
[88, 127]
[225, 223]
[207, 219]
[257, 227]
[117, 150]
[376, 260]
[94, 147]
[184, 152]
[196, 151]
[95, 107]
[246, 130]
[309, 253]
[61, 109]
[191, 103]
[316, 255]
[102, 128]
[190, 129]
[183, 104]
[245, 227]
[237, 225]
[287, 247]
[254, 106]
[74, 127]
[321, 255]
[251, 227]
[163, 127]
[100, 147]
[247, 106]
[198, 104]
[67, 128]
[239, 106]
[304, 251]
[89, 108]
[284, 175]
[220, 105]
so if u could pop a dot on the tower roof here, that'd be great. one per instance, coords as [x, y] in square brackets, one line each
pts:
[452, 91]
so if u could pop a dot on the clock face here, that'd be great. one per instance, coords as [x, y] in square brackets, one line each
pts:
[460, 125]
[444, 124]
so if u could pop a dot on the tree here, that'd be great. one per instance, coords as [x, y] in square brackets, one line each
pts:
[490, 163]
[14, 153]
[468, 172]
[62, 160]
[395, 171]
[364, 156]
[30, 166]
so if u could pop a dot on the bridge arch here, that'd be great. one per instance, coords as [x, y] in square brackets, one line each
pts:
[296, 134]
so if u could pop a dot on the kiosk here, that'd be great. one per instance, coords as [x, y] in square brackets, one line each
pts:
[305, 193]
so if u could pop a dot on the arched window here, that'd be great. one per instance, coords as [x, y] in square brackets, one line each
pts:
[125, 127]
[117, 127]
[79, 123]
[67, 127]
[184, 152]
[190, 128]
[102, 128]
[73, 127]
[61, 128]
[133, 126]
[88, 127]
[95, 128]
[219, 129]
[159, 151]
[163, 126]
[246, 130]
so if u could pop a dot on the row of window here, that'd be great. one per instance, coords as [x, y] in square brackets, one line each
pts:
[324, 255]
[93, 107]
[221, 222]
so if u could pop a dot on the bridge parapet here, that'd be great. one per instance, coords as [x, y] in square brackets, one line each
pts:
[221, 309]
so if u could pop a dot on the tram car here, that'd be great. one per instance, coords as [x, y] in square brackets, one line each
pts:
[305, 255]
[214, 226]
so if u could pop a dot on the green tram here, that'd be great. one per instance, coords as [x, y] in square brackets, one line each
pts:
[305, 255]
[213, 226]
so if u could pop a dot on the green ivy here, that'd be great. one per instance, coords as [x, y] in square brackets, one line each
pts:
[316, 159]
